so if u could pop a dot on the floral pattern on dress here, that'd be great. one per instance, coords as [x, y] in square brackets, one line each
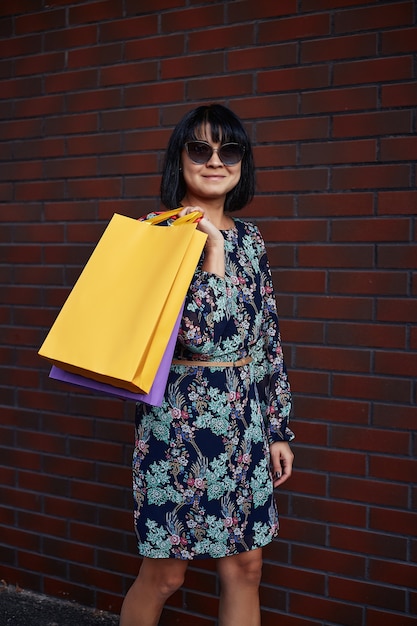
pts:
[202, 481]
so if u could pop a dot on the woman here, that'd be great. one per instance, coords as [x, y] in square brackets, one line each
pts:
[206, 462]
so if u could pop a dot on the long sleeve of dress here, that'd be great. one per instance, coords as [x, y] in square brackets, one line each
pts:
[277, 394]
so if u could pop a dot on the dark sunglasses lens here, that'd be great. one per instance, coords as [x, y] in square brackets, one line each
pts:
[198, 151]
[231, 153]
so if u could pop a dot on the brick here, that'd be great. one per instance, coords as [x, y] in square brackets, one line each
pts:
[394, 202]
[332, 461]
[399, 95]
[290, 130]
[315, 5]
[368, 491]
[21, 129]
[334, 255]
[71, 168]
[16, 170]
[394, 256]
[154, 93]
[368, 543]
[337, 152]
[349, 99]
[40, 64]
[127, 164]
[325, 609]
[372, 440]
[299, 281]
[396, 363]
[368, 124]
[68, 124]
[297, 28]
[281, 256]
[366, 335]
[388, 468]
[293, 79]
[296, 578]
[94, 144]
[309, 382]
[290, 230]
[265, 106]
[228, 37]
[375, 282]
[333, 409]
[263, 57]
[287, 180]
[376, 388]
[375, 617]
[374, 70]
[40, 106]
[132, 118]
[189, 19]
[42, 21]
[368, 176]
[155, 47]
[237, 85]
[335, 561]
[399, 149]
[371, 229]
[377, 17]
[70, 37]
[69, 551]
[46, 190]
[397, 310]
[105, 54]
[246, 10]
[328, 512]
[20, 46]
[347, 47]
[94, 188]
[371, 593]
[125, 74]
[192, 65]
[393, 521]
[95, 12]
[142, 185]
[353, 203]
[125, 29]
[333, 359]
[275, 156]
[397, 41]
[81, 79]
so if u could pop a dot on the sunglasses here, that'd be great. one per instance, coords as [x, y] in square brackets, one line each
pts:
[200, 152]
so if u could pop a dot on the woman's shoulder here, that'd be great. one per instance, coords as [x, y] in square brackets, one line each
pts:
[248, 227]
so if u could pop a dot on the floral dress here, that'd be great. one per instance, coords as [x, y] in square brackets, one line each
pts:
[202, 481]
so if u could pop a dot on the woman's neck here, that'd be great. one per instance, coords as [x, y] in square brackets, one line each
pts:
[214, 210]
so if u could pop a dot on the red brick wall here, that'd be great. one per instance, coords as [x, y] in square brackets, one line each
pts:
[89, 94]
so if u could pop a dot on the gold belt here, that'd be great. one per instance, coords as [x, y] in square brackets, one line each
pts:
[239, 363]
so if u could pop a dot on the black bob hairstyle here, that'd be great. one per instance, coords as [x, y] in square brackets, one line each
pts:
[225, 126]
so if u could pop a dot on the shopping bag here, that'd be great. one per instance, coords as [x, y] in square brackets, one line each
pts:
[156, 393]
[116, 322]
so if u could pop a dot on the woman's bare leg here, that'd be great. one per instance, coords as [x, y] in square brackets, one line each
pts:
[240, 577]
[157, 580]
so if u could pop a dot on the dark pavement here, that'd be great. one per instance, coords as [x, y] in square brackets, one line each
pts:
[24, 608]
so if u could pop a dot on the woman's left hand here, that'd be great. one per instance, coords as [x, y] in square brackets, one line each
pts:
[282, 459]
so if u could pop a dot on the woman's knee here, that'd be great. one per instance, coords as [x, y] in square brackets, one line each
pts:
[166, 576]
[245, 568]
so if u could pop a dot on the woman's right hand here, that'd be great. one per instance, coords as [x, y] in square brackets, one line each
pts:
[214, 248]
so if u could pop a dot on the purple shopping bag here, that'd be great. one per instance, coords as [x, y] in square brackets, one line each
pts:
[156, 393]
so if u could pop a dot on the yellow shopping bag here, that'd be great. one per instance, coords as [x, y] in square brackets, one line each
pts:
[118, 318]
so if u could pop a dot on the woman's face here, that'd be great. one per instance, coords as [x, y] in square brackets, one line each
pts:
[213, 179]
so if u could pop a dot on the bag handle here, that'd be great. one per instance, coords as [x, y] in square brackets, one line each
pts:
[165, 215]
